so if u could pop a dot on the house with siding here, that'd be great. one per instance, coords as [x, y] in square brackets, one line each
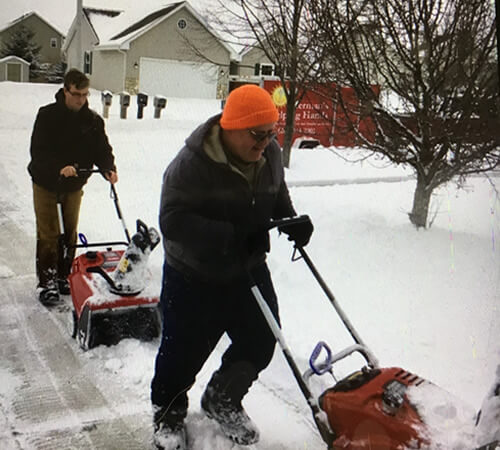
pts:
[169, 51]
[46, 35]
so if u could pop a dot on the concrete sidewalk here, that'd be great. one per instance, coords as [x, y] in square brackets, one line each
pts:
[47, 401]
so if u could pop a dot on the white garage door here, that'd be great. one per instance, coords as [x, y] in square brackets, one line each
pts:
[177, 79]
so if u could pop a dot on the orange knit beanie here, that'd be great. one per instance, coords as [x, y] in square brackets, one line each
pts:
[248, 106]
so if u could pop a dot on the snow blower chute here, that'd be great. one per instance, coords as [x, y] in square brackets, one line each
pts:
[107, 285]
[370, 408]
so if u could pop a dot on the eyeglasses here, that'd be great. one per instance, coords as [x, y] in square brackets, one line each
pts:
[260, 136]
[79, 94]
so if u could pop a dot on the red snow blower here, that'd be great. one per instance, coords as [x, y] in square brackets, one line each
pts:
[110, 300]
[369, 409]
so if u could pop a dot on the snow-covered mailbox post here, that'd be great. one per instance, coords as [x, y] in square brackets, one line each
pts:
[159, 102]
[124, 104]
[142, 102]
[106, 99]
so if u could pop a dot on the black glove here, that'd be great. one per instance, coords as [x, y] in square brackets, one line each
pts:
[299, 232]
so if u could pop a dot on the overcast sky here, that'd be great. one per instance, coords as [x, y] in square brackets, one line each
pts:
[60, 13]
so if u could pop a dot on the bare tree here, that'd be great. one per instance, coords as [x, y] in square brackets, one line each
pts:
[436, 58]
[284, 31]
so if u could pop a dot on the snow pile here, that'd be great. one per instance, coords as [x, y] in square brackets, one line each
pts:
[450, 422]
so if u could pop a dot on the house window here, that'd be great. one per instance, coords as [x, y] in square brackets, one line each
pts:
[53, 42]
[87, 63]
[181, 23]
[234, 69]
[267, 69]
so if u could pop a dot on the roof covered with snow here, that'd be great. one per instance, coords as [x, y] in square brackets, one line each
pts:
[117, 25]
[61, 13]
[26, 16]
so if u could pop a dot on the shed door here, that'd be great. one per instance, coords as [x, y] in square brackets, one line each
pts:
[177, 78]
[14, 72]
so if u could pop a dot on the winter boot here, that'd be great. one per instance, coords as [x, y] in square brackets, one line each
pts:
[63, 286]
[227, 410]
[48, 296]
[169, 430]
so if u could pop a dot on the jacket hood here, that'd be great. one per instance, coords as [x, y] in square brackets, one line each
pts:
[195, 139]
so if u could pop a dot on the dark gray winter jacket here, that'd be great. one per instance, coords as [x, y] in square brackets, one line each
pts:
[62, 137]
[207, 210]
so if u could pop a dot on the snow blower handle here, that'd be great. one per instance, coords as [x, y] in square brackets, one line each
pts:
[321, 367]
[89, 171]
[276, 223]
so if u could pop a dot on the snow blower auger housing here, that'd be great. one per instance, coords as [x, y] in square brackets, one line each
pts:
[107, 286]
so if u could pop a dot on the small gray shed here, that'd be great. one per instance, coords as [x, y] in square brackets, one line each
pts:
[13, 68]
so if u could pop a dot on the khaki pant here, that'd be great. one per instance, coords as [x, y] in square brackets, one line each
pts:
[50, 263]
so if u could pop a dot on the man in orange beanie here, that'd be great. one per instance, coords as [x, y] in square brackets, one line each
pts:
[219, 195]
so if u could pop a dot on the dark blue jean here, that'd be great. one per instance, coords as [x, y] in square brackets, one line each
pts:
[196, 314]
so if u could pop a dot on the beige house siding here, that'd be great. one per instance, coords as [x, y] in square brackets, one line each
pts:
[108, 71]
[166, 41]
[44, 33]
[88, 42]
[248, 61]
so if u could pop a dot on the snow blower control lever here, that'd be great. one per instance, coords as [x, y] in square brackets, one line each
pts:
[321, 367]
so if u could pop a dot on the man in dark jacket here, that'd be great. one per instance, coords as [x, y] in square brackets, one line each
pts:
[67, 136]
[219, 195]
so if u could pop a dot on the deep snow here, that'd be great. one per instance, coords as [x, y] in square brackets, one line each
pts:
[423, 300]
